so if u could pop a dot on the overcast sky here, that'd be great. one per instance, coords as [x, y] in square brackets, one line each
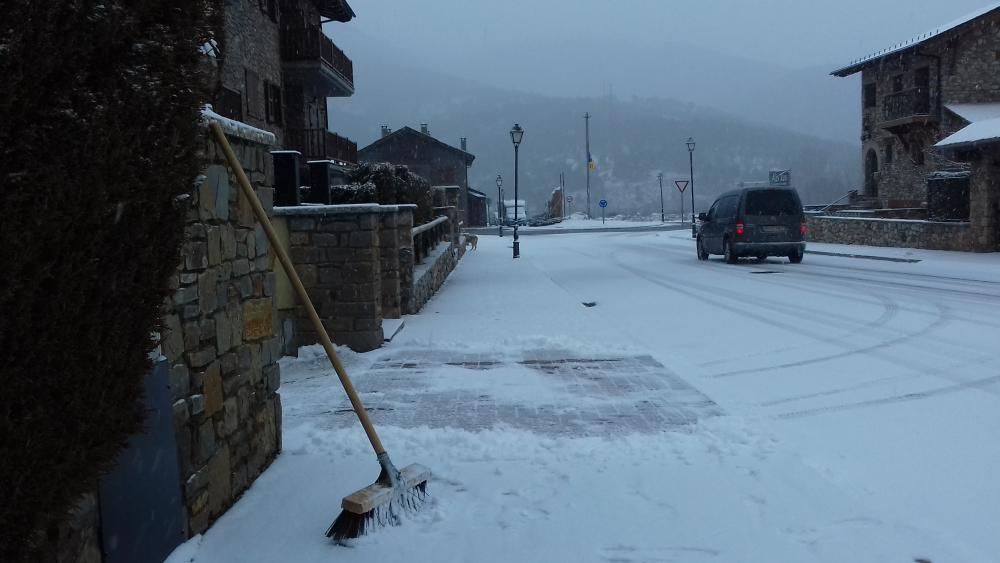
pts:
[793, 33]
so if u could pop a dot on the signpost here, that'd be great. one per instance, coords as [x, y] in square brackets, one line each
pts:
[780, 178]
[603, 203]
[681, 186]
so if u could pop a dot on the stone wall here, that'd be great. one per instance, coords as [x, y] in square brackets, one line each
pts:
[220, 340]
[251, 42]
[431, 274]
[984, 201]
[890, 232]
[354, 262]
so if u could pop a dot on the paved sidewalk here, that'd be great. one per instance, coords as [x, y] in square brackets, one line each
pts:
[550, 392]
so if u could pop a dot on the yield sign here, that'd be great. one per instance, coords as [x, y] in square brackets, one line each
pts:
[681, 185]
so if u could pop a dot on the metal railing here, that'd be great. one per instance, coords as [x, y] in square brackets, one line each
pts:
[821, 209]
[906, 103]
[309, 44]
[320, 144]
[427, 236]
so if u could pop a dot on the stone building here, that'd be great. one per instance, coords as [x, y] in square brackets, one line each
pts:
[438, 162]
[276, 69]
[915, 95]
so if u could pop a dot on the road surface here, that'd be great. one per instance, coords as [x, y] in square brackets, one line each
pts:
[886, 375]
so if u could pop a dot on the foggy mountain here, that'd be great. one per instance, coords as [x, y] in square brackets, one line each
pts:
[631, 139]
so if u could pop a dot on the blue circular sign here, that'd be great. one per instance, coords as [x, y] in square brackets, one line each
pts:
[603, 203]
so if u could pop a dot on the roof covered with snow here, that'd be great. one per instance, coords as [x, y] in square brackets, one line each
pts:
[857, 64]
[986, 131]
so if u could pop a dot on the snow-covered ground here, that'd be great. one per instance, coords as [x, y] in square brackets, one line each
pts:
[838, 410]
[580, 221]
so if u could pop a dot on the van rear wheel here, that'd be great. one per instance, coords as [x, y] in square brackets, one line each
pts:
[727, 251]
[796, 257]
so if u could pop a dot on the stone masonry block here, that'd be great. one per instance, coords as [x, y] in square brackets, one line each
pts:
[299, 239]
[302, 224]
[363, 239]
[368, 222]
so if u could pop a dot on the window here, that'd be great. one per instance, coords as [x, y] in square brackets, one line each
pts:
[870, 93]
[772, 202]
[253, 89]
[888, 151]
[727, 207]
[269, 8]
[272, 105]
[897, 83]
[713, 212]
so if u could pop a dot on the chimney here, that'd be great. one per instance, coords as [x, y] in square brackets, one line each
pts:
[465, 145]
[386, 130]
[424, 130]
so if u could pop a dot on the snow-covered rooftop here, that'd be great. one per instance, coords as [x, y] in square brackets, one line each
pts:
[979, 132]
[857, 64]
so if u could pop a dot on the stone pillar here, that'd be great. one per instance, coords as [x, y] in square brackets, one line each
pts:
[984, 203]
[335, 249]
[219, 338]
[407, 260]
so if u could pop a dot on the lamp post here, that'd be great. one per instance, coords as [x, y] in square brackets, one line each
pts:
[690, 145]
[516, 134]
[500, 203]
[662, 216]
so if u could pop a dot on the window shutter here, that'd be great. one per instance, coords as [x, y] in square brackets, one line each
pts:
[253, 90]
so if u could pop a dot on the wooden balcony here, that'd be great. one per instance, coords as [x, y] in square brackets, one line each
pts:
[310, 56]
[320, 144]
[907, 108]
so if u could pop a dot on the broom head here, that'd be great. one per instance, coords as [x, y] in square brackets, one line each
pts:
[381, 503]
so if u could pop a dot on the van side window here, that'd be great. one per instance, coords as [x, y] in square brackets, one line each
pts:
[727, 207]
[713, 212]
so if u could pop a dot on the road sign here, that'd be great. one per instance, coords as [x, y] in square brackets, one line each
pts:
[603, 203]
[681, 185]
[569, 199]
[780, 178]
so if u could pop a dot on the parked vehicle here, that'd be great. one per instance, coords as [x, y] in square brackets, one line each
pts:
[521, 211]
[757, 222]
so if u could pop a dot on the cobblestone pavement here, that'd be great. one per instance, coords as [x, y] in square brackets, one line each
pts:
[550, 392]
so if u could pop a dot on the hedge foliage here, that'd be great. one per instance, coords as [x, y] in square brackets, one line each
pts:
[99, 106]
[394, 185]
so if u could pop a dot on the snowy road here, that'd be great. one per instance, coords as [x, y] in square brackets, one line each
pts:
[838, 410]
[886, 376]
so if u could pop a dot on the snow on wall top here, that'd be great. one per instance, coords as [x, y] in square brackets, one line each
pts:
[857, 64]
[238, 128]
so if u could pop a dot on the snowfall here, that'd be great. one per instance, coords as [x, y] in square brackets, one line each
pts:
[844, 409]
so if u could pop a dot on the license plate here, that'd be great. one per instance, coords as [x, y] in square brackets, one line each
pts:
[774, 230]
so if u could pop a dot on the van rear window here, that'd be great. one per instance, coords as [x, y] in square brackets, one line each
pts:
[772, 202]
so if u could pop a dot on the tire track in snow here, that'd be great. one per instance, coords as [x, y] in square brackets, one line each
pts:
[977, 384]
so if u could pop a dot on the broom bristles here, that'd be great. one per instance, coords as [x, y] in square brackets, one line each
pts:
[351, 525]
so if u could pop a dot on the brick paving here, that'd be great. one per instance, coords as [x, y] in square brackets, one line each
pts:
[576, 396]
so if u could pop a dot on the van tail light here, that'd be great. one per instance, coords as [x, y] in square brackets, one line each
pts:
[739, 229]
[802, 229]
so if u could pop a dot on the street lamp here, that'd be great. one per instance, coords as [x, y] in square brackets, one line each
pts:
[690, 145]
[516, 134]
[500, 203]
[662, 216]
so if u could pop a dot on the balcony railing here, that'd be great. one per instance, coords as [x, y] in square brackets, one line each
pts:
[320, 144]
[915, 102]
[310, 44]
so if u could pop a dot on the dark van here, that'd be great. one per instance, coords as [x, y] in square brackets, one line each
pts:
[757, 222]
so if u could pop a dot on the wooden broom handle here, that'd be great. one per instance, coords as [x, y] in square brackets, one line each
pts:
[300, 289]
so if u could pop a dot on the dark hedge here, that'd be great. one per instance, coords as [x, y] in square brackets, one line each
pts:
[99, 133]
[395, 184]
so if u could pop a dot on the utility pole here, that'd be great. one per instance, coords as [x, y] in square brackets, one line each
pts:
[586, 118]
[662, 215]
[562, 194]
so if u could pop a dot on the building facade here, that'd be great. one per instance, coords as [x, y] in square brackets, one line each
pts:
[439, 163]
[276, 70]
[917, 94]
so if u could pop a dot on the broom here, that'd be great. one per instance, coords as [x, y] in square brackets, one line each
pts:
[383, 502]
